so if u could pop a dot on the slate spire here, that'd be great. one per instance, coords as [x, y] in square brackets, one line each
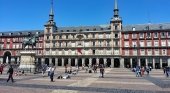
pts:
[116, 10]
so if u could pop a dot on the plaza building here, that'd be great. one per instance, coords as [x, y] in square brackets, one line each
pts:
[113, 44]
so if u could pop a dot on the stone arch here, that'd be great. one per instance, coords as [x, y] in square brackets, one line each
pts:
[7, 57]
[86, 62]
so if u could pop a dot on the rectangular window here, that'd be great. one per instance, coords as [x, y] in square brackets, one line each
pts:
[142, 44]
[134, 36]
[149, 52]
[116, 35]
[156, 51]
[163, 34]
[148, 35]
[156, 43]
[155, 35]
[141, 35]
[126, 44]
[53, 37]
[142, 52]
[164, 52]
[126, 36]
[163, 43]
[149, 44]
[93, 43]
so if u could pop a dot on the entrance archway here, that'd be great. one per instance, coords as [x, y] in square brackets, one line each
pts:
[47, 61]
[127, 62]
[53, 61]
[86, 62]
[59, 62]
[108, 62]
[93, 61]
[7, 57]
[79, 62]
[116, 63]
[72, 62]
[142, 62]
[134, 62]
[65, 61]
[101, 61]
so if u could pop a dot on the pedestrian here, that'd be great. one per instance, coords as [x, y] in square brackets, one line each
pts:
[10, 72]
[48, 70]
[52, 69]
[167, 71]
[102, 71]
[142, 70]
[147, 70]
[164, 69]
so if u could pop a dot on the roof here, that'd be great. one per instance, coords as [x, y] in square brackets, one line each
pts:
[23, 32]
[141, 27]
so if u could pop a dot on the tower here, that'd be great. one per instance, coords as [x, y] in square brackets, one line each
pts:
[116, 22]
[49, 28]
[116, 27]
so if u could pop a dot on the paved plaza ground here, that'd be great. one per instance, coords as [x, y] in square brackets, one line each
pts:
[116, 80]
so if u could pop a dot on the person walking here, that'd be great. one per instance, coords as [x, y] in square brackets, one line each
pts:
[10, 72]
[1, 68]
[52, 69]
[102, 71]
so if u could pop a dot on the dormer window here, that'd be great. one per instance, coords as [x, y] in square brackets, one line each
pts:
[74, 30]
[133, 29]
[87, 29]
[160, 27]
[101, 28]
[147, 28]
[10, 34]
[94, 29]
[68, 30]
[81, 30]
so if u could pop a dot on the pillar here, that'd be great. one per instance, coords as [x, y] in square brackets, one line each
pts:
[146, 64]
[139, 63]
[153, 63]
[97, 61]
[168, 61]
[131, 63]
[62, 61]
[43, 60]
[50, 61]
[69, 61]
[160, 63]
[122, 63]
[105, 62]
[76, 61]
[112, 62]
[56, 61]
[90, 61]
[83, 61]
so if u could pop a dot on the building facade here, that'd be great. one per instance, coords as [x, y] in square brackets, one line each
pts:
[113, 45]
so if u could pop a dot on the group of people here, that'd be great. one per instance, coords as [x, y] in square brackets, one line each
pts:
[50, 70]
[141, 70]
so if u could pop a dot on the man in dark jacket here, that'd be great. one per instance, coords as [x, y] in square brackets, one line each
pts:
[10, 72]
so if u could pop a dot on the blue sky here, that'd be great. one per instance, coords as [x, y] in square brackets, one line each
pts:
[33, 14]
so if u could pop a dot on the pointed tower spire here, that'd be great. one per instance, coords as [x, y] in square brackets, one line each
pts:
[51, 15]
[116, 10]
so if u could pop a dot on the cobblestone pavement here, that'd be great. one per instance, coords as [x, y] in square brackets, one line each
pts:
[116, 80]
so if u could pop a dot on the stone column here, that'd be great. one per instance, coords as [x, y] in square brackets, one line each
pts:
[56, 61]
[122, 63]
[62, 61]
[105, 62]
[83, 61]
[90, 61]
[50, 61]
[146, 64]
[112, 62]
[76, 61]
[160, 63]
[42, 60]
[139, 63]
[168, 61]
[153, 63]
[131, 65]
[69, 62]
[97, 61]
